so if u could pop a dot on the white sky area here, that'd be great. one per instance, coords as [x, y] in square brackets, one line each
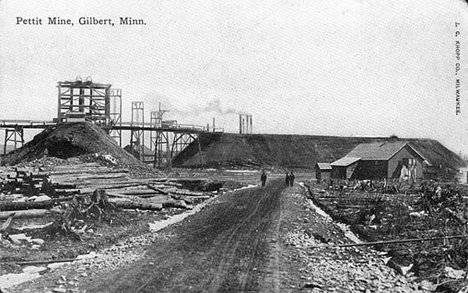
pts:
[337, 67]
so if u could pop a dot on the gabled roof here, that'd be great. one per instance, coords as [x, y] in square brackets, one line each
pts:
[324, 166]
[345, 161]
[379, 151]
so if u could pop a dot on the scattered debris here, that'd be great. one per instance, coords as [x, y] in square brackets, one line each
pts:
[454, 274]
[428, 286]
[422, 230]
[10, 280]
[69, 182]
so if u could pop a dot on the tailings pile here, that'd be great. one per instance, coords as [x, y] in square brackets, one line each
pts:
[254, 151]
[84, 141]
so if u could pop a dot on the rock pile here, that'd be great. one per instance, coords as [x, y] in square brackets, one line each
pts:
[326, 268]
[85, 141]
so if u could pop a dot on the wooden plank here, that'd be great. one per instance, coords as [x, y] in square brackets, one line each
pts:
[75, 166]
[94, 186]
[119, 195]
[84, 176]
[124, 182]
[140, 192]
[130, 189]
[157, 189]
[5, 225]
[26, 205]
[189, 193]
[25, 213]
[204, 197]
[126, 203]
[80, 171]
[173, 184]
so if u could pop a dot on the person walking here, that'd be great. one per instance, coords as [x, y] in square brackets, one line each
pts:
[263, 177]
[287, 179]
[291, 179]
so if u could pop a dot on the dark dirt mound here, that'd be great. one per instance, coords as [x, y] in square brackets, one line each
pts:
[295, 151]
[290, 151]
[83, 140]
[444, 162]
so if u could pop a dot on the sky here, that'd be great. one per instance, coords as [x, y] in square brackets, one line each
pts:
[337, 67]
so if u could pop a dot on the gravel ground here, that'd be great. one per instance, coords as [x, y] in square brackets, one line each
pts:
[307, 268]
[66, 277]
[324, 268]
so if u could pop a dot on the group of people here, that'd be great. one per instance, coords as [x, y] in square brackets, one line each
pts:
[290, 179]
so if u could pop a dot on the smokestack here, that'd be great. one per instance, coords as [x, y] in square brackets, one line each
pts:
[214, 125]
[245, 124]
[240, 123]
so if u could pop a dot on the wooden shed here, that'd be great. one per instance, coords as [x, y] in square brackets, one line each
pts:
[323, 171]
[344, 167]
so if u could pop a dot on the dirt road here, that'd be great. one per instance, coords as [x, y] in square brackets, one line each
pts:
[254, 240]
[227, 247]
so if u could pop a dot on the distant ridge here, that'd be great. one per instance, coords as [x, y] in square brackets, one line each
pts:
[296, 151]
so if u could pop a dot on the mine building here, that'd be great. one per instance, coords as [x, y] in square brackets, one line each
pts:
[322, 171]
[380, 160]
[344, 168]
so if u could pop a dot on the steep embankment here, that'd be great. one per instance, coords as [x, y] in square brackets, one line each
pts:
[293, 151]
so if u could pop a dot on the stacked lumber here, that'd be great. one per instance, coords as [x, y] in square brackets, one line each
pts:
[20, 181]
[69, 182]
